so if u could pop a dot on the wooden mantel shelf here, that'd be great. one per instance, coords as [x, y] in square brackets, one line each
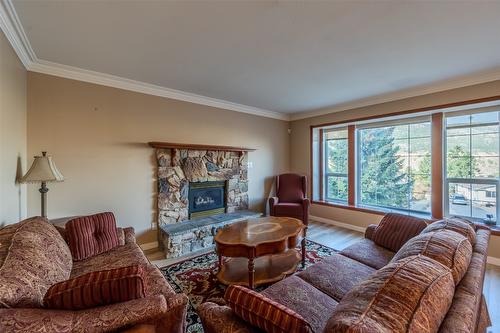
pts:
[170, 145]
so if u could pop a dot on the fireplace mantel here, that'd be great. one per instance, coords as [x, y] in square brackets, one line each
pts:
[170, 145]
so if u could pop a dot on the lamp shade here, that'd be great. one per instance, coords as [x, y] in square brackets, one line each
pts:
[43, 169]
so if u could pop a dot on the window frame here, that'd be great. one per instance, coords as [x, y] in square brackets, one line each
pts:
[400, 122]
[437, 113]
[325, 174]
[470, 181]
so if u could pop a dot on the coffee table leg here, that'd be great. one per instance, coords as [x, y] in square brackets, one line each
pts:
[303, 246]
[251, 272]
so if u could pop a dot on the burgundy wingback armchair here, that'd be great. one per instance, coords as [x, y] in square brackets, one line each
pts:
[290, 200]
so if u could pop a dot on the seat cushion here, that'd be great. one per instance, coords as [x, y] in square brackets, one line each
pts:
[456, 225]
[33, 256]
[97, 288]
[288, 209]
[126, 255]
[368, 253]
[394, 230]
[263, 312]
[91, 235]
[449, 248]
[336, 275]
[410, 295]
[298, 295]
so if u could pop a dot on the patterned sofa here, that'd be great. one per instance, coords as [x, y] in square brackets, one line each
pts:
[362, 289]
[34, 256]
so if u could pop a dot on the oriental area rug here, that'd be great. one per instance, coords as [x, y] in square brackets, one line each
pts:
[196, 278]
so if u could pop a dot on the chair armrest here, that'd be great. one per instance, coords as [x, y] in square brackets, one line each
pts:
[104, 318]
[221, 319]
[272, 201]
[370, 230]
[129, 235]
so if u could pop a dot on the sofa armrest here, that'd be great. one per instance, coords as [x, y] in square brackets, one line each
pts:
[370, 230]
[129, 235]
[104, 318]
[221, 319]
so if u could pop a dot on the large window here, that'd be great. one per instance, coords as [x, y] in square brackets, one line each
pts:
[335, 143]
[472, 165]
[395, 167]
[430, 164]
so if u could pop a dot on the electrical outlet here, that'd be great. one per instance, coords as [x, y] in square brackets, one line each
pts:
[250, 165]
[153, 225]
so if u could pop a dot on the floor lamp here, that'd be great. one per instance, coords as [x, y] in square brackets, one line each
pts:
[43, 170]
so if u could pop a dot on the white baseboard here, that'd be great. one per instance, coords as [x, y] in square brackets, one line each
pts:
[338, 224]
[491, 260]
[149, 246]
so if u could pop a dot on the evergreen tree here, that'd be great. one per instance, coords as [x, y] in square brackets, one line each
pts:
[384, 179]
[460, 164]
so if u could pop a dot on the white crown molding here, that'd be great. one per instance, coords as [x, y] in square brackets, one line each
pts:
[69, 72]
[13, 30]
[455, 83]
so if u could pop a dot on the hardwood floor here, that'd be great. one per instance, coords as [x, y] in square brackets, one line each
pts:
[340, 238]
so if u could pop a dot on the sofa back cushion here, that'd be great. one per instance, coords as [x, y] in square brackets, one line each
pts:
[92, 235]
[97, 288]
[457, 225]
[449, 248]
[394, 230]
[409, 295]
[33, 256]
[263, 312]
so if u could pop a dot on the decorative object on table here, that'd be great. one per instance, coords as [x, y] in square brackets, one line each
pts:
[43, 170]
[196, 277]
[262, 250]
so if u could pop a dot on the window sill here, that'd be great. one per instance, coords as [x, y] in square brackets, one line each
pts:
[495, 229]
[349, 207]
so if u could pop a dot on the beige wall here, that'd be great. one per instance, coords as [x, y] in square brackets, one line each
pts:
[300, 143]
[12, 133]
[97, 136]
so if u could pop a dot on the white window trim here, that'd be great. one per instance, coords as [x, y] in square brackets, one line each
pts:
[400, 122]
[447, 181]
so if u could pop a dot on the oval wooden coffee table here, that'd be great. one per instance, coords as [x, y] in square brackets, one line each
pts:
[262, 250]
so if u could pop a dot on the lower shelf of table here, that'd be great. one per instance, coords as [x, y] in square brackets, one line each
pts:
[268, 269]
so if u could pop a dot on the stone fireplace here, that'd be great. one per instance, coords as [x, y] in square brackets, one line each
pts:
[200, 189]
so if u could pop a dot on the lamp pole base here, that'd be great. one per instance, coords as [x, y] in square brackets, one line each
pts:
[43, 191]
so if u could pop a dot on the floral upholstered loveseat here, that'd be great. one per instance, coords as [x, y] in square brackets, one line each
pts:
[34, 256]
[405, 276]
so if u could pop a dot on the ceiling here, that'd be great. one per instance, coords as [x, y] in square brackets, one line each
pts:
[286, 57]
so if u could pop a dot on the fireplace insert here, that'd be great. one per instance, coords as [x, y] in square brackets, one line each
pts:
[207, 198]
